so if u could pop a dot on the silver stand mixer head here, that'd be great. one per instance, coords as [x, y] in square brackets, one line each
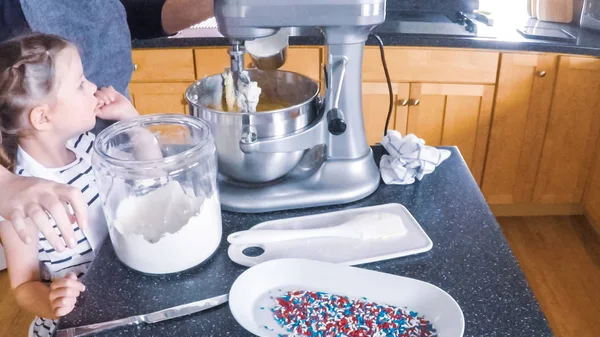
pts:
[337, 165]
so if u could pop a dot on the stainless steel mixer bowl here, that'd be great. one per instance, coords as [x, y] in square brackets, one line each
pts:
[297, 92]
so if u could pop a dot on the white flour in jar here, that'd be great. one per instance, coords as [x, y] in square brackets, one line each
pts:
[166, 231]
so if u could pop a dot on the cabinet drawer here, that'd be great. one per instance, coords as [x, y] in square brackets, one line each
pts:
[165, 65]
[430, 65]
[302, 60]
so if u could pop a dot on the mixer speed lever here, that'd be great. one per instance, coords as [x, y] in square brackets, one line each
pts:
[336, 123]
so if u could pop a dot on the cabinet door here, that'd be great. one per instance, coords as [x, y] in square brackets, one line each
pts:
[151, 98]
[453, 114]
[518, 127]
[572, 132]
[376, 104]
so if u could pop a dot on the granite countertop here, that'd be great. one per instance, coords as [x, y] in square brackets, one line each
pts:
[405, 28]
[470, 260]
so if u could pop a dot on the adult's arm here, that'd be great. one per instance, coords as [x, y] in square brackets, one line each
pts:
[12, 20]
[149, 19]
[181, 14]
[26, 203]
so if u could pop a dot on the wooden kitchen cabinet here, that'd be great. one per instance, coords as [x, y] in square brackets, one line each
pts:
[433, 65]
[452, 107]
[572, 132]
[452, 114]
[521, 111]
[161, 76]
[151, 98]
[303, 60]
[210, 61]
[376, 102]
[441, 114]
[162, 65]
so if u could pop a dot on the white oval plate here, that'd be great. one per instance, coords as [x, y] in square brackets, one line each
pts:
[253, 290]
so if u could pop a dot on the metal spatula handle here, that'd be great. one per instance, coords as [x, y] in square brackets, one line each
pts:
[99, 327]
[155, 317]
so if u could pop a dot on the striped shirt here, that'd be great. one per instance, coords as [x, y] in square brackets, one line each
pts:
[79, 174]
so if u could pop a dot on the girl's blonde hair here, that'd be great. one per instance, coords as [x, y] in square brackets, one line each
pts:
[27, 76]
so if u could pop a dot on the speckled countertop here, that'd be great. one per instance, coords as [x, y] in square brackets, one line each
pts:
[403, 28]
[470, 259]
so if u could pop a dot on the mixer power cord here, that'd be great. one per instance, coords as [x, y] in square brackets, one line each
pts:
[389, 82]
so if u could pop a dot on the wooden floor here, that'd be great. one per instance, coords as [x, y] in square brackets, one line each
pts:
[13, 321]
[559, 255]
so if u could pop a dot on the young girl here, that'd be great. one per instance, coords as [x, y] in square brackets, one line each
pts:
[47, 107]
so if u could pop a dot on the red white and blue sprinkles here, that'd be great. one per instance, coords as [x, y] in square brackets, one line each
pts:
[319, 314]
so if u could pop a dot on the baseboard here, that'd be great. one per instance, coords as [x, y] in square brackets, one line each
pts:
[536, 209]
[593, 220]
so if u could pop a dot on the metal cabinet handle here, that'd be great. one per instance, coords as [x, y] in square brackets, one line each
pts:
[414, 102]
[541, 73]
[135, 67]
[403, 102]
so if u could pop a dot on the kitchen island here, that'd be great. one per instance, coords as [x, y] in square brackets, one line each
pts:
[470, 260]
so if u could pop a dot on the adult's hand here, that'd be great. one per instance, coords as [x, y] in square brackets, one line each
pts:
[26, 203]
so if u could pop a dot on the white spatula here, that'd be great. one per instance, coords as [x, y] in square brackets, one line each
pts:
[367, 226]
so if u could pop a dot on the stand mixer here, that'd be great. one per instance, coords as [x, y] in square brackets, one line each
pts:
[331, 160]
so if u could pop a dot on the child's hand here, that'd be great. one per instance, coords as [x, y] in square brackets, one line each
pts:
[113, 106]
[64, 293]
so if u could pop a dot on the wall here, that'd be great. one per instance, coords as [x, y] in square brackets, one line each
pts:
[438, 5]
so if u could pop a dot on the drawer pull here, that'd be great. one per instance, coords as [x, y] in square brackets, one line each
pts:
[414, 102]
[541, 73]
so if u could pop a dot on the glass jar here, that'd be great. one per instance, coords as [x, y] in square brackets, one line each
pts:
[157, 180]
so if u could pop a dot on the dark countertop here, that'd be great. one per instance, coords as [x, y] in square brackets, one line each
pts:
[470, 260]
[401, 29]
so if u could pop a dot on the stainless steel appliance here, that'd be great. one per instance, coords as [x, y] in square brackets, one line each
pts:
[312, 152]
[590, 15]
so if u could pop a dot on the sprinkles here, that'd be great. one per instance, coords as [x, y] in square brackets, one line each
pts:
[319, 314]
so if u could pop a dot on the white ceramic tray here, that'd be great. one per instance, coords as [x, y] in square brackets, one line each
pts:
[250, 295]
[337, 249]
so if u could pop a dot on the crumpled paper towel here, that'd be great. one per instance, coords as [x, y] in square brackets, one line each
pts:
[409, 158]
